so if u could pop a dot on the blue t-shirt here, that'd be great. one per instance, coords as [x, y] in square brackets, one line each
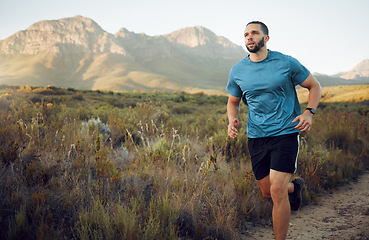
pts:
[268, 88]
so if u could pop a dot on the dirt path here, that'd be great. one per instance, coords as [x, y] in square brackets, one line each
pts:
[340, 215]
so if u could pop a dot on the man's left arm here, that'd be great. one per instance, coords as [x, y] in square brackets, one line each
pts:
[315, 93]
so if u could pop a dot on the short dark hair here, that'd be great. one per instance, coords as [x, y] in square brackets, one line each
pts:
[263, 27]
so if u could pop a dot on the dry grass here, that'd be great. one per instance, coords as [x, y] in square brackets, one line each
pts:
[349, 93]
[102, 165]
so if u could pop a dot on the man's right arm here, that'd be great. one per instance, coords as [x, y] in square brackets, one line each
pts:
[233, 109]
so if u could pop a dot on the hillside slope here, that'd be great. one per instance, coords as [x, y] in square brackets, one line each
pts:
[349, 93]
[77, 52]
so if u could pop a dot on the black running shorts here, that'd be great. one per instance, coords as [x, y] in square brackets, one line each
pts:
[278, 153]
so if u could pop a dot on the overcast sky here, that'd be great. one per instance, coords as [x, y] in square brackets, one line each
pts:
[327, 36]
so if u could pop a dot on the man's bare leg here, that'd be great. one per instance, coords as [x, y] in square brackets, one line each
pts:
[281, 212]
[279, 188]
[264, 185]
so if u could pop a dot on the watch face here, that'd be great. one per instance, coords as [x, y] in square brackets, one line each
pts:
[312, 110]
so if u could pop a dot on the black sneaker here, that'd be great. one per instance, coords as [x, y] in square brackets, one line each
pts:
[295, 197]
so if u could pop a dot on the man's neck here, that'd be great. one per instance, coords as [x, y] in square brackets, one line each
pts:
[259, 55]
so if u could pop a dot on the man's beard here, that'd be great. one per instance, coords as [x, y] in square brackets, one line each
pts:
[257, 46]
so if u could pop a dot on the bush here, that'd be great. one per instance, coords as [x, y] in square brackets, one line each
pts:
[91, 165]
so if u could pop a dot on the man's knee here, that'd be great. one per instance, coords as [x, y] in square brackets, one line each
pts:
[279, 185]
[278, 192]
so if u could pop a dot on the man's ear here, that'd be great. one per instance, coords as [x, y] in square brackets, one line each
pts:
[266, 38]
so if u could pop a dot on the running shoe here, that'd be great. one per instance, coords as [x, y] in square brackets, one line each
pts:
[295, 197]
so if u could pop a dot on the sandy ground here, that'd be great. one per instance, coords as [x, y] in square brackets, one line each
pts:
[342, 214]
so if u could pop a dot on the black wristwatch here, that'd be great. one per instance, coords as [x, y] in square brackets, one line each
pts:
[312, 110]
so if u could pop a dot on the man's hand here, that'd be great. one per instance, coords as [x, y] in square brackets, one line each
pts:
[232, 128]
[305, 123]
[315, 93]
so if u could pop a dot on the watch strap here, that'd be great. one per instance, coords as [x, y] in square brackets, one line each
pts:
[312, 110]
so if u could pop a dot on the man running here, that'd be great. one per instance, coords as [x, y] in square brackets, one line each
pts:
[265, 80]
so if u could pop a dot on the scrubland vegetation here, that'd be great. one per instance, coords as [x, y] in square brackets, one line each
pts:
[105, 165]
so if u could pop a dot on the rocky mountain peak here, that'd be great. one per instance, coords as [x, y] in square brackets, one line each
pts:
[192, 36]
[361, 70]
[67, 25]
[362, 66]
[197, 36]
[123, 32]
[127, 38]
[205, 43]
[76, 34]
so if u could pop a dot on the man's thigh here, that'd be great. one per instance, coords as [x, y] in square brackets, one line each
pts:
[284, 151]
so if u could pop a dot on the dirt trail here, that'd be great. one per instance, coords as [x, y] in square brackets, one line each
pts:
[342, 214]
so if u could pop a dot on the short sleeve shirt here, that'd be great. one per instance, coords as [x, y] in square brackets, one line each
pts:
[268, 88]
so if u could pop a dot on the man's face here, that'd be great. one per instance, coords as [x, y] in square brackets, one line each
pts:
[255, 47]
[254, 38]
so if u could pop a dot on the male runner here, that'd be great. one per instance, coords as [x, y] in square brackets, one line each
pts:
[265, 80]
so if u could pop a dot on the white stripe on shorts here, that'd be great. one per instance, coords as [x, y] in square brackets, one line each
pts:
[298, 150]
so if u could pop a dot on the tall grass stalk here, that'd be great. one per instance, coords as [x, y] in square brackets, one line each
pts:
[96, 165]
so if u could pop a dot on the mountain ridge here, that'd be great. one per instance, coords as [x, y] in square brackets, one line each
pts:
[79, 33]
[76, 52]
[361, 70]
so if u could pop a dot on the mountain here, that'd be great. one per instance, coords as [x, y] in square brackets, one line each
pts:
[76, 52]
[64, 53]
[76, 34]
[335, 80]
[360, 71]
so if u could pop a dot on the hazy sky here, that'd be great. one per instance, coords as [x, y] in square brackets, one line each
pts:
[327, 36]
